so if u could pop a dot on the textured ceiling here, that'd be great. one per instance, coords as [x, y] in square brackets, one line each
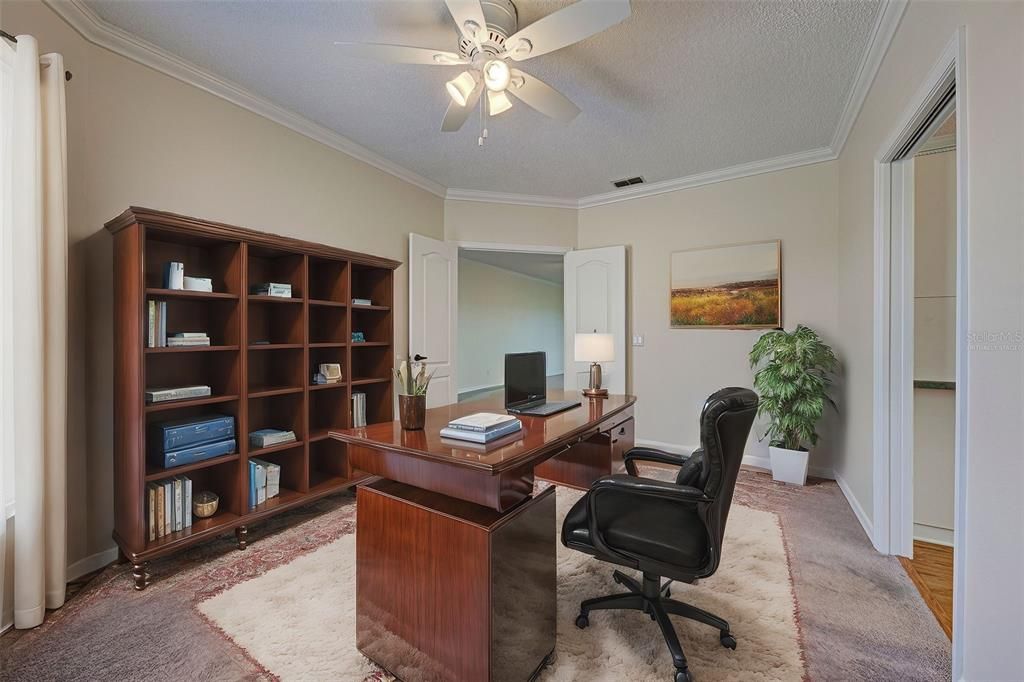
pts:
[543, 266]
[677, 89]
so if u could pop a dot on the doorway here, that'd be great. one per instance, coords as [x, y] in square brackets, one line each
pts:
[899, 314]
[508, 302]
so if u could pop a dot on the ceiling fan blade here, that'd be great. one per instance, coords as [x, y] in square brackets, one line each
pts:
[464, 12]
[542, 97]
[457, 115]
[401, 54]
[565, 27]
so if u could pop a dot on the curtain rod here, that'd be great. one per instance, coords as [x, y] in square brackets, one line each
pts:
[7, 35]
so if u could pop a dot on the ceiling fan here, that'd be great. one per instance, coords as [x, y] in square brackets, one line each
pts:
[490, 38]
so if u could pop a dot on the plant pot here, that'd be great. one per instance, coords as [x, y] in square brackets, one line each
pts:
[789, 466]
[412, 411]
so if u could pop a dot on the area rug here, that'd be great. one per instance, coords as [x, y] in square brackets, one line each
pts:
[298, 620]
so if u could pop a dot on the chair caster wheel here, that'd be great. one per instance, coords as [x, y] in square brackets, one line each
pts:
[728, 641]
[582, 621]
[683, 676]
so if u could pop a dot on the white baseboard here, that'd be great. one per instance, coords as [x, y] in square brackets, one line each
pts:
[933, 534]
[91, 563]
[858, 511]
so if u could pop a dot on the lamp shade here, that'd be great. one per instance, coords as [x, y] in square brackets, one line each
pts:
[595, 347]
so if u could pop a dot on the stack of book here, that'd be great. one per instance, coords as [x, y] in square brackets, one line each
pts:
[157, 324]
[169, 505]
[358, 409]
[265, 438]
[188, 339]
[362, 301]
[185, 441]
[264, 481]
[163, 395]
[482, 427]
[272, 289]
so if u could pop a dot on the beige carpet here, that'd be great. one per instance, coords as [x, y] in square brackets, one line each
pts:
[299, 629]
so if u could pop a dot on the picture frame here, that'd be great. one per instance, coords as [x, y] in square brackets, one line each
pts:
[730, 286]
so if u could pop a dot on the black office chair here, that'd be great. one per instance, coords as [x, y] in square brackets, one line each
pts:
[663, 529]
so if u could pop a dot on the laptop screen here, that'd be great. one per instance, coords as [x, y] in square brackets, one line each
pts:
[525, 378]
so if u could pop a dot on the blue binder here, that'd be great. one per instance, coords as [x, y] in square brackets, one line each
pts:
[196, 453]
[183, 433]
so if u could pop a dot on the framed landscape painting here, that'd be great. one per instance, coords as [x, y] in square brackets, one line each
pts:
[736, 287]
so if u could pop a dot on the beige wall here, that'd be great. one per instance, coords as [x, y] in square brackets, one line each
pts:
[991, 616]
[934, 343]
[138, 137]
[676, 369]
[500, 312]
[477, 221]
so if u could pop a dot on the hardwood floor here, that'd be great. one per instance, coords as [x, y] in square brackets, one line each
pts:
[931, 569]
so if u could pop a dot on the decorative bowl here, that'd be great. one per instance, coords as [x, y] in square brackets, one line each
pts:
[204, 504]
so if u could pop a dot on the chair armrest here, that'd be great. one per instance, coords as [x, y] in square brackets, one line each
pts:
[637, 488]
[650, 455]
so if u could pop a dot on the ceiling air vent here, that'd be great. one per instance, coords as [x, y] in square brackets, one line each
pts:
[626, 182]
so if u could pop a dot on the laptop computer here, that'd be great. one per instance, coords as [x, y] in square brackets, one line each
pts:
[526, 386]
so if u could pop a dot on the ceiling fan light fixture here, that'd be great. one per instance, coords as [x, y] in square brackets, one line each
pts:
[461, 87]
[498, 102]
[496, 75]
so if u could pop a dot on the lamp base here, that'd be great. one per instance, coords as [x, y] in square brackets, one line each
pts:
[595, 392]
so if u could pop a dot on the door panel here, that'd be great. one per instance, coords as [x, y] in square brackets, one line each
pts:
[595, 299]
[433, 309]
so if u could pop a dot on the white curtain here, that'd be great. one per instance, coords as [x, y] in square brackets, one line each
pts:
[33, 328]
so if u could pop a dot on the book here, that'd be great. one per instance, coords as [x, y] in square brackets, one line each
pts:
[257, 483]
[180, 433]
[174, 274]
[160, 529]
[358, 409]
[273, 477]
[151, 506]
[499, 442]
[481, 437]
[264, 438]
[162, 395]
[161, 329]
[168, 507]
[272, 289]
[193, 453]
[362, 301]
[186, 500]
[179, 499]
[482, 422]
[151, 324]
[190, 335]
[198, 284]
[178, 342]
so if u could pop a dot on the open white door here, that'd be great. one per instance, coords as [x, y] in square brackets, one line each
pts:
[433, 310]
[595, 300]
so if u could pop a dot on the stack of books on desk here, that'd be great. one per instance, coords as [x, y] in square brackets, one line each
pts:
[482, 427]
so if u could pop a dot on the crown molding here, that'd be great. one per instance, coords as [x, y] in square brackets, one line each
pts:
[455, 194]
[886, 23]
[732, 173]
[104, 34]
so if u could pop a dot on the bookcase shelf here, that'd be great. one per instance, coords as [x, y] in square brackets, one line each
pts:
[261, 385]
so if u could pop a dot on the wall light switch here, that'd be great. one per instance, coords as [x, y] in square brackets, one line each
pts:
[638, 339]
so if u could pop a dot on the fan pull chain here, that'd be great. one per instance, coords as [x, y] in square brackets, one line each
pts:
[483, 122]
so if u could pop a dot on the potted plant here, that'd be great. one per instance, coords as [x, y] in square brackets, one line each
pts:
[794, 377]
[412, 394]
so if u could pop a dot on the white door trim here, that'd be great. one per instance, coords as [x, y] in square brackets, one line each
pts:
[512, 248]
[893, 339]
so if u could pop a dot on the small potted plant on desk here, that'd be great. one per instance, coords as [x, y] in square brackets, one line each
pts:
[412, 394]
[794, 380]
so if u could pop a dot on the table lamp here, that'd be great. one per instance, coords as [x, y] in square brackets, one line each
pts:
[595, 348]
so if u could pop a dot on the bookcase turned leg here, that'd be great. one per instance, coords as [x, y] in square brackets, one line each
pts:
[140, 574]
[241, 533]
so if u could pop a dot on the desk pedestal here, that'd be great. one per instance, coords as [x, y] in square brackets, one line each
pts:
[448, 590]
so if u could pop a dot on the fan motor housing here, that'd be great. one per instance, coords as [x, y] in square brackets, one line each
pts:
[502, 21]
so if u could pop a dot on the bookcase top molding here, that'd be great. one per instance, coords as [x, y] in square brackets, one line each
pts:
[165, 220]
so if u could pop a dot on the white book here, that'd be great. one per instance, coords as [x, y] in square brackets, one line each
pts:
[188, 501]
[273, 472]
[151, 503]
[482, 421]
[179, 497]
[168, 507]
[260, 473]
[198, 284]
[159, 395]
[151, 338]
[190, 335]
[178, 342]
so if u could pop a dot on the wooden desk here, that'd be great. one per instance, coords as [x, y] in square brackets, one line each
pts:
[455, 555]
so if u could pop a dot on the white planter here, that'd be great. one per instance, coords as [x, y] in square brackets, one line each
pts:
[789, 466]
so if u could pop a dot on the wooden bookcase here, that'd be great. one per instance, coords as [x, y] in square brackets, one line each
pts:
[259, 365]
